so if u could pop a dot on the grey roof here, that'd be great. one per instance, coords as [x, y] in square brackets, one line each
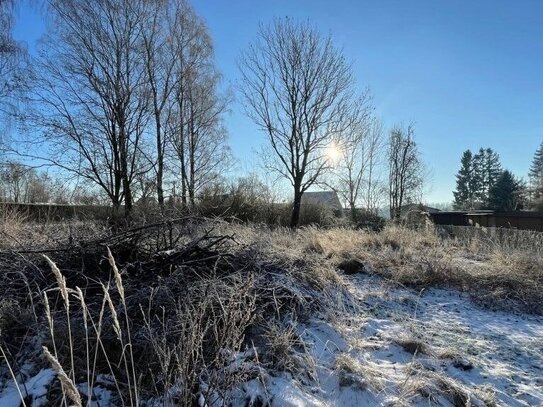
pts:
[325, 198]
[418, 207]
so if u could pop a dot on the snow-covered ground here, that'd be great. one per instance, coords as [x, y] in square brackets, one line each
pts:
[403, 347]
[396, 346]
[35, 387]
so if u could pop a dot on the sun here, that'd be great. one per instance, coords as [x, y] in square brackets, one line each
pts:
[333, 152]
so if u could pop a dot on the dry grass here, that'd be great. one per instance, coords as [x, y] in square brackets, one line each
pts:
[433, 386]
[167, 325]
[287, 351]
[282, 341]
[13, 227]
[414, 346]
[360, 375]
[505, 273]
[179, 354]
[17, 232]
[165, 315]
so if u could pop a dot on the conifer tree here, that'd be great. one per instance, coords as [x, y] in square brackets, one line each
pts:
[487, 169]
[507, 193]
[478, 175]
[466, 183]
[536, 173]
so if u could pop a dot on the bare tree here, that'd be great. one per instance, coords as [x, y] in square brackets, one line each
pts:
[375, 185]
[295, 83]
[13, 60]
[405, 169]
[358, 147]
[9, 51]
[15, 181]
[195, 126]
[206, 152]
[161, 46]
[21, 183]
[91, 95]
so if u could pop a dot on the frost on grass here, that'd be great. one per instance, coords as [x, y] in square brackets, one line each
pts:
[408, 348]
[216, 314]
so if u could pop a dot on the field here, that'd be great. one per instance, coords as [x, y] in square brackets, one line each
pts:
[202, 312]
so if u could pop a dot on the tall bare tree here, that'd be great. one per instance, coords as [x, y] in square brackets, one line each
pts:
[15, 182]
[21, 183]
[405, 169]
[13, 59]
[195, 127]
[359, 148]
[295, 83]
[91, 93]
[375, 191]
[160, 49]
[9, 51]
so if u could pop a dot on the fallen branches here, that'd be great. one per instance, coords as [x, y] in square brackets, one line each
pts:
[180, 295]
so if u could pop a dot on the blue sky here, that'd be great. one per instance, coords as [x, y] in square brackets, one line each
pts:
[467, 73]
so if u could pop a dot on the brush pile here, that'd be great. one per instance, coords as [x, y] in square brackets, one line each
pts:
[162, 313]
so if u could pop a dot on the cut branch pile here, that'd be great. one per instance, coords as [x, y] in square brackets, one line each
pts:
[191, 297]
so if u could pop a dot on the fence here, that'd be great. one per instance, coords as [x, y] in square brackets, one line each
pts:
[524, 220]
[504, 238]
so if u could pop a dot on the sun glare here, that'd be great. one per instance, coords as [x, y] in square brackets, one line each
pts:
[333, 153]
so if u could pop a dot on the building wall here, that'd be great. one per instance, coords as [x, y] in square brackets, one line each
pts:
[516, 220]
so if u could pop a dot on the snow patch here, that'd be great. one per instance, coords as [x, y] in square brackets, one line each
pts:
[34, 388]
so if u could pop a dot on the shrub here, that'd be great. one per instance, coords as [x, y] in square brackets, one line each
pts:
[415, 218]
[312, 214]
[367, 220]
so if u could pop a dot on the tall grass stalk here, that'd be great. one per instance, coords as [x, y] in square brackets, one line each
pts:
[120, 289]
[87, 348]
[12, 373]
[68, 385]
[61, 281]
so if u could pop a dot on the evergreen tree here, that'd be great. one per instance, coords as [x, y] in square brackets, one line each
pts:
[466, 183]
[507, 193]
[487, 169]
[478, 176]
[536, 174]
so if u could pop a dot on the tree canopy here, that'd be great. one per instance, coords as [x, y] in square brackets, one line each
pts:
[507, 194]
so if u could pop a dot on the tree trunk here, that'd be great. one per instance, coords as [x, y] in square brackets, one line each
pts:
[191, 191]
[127, 197]
[353, 212]
[114, 219]
[296, 206]
[192, 158]
[184, 188]
[183, 185]
[127, 191]
[192, 177]
[160, 163]
[180, 146]
[116, 208]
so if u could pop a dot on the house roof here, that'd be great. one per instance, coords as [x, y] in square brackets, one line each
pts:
[325, 198]
[418, 207]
